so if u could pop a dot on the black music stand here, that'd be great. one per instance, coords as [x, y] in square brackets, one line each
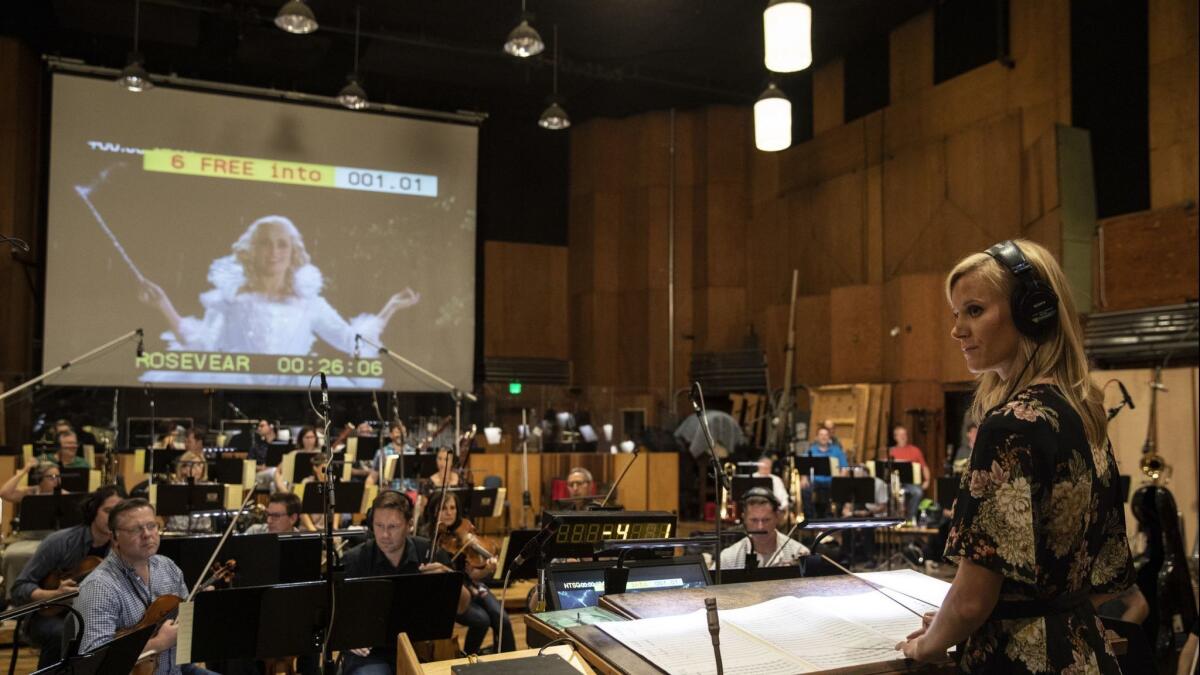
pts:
[275, 450]
[75, 479]
[115, 657]
[947, 490]
[160, 460]
[52, 511]
[348, 496]
[366, 447]
[908, 476]
[184, 500]
[258, 557]
[479, 502]
[275, 621]
[852, 490]
[301, 466]
[816, 466]
[226, 471]
[515, 543]
[742, 484]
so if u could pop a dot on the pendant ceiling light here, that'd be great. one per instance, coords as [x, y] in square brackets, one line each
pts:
[554, 117]
[772, 120]
[296, 17]
[787, 36]
[133, 75]
[523, 41]
[353, 96]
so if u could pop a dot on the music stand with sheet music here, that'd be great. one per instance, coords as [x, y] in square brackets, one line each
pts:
[185, 500]
[75, 479]
[160, 460]
[814, 466]
[347, 494]
[852, 490]
[262, 622]
[230, 471]
[743, 484]
[510, 549]
[52, 511]
[908, 474]
[275, 450]
[115, 657]
[365, 447]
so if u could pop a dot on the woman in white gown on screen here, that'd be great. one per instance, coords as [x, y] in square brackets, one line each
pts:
[266, 299]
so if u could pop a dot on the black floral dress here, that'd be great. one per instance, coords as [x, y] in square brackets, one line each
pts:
[1041, 507]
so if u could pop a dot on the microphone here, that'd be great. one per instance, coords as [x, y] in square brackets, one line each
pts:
[696, 397]
[324, 393]
[636, 451]
[141, 348]
[18, 244]
[714, 629]
[1125, 395]
[534, 545]
[236, 410]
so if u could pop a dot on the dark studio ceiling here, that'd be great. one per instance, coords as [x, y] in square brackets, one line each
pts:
[617, 57]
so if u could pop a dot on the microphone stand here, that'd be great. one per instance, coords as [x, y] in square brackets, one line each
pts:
[719, 477]
[333, 563]
[526, 499]
[133, 334]
[611, 490]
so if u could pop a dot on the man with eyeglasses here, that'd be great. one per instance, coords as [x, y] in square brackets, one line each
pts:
[118, 592]
[580, 487]
[283, 515]
[391, 551]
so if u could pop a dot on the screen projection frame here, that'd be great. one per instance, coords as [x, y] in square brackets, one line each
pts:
[347, 371]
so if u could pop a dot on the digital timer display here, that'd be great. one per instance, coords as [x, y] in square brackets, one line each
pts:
[579, 531]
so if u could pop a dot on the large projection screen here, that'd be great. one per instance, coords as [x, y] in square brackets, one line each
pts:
[252, 240]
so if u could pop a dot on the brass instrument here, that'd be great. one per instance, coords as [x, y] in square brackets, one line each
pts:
[1152, 465]
[723, 511]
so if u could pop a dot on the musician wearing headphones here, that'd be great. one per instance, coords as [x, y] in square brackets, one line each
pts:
[283, 515]
[391, 551]
[1039, 526]
[46, 479]
[62, 552]
[762, 512]
[118, 592]
[67, 454]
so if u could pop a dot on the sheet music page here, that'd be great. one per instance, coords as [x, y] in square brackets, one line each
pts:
[808, 630]
[680, 645]
[922, 586]
[873, 610]
[183, 639]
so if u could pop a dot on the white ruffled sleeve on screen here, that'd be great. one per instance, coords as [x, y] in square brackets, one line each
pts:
[199, 334]
[333, 329]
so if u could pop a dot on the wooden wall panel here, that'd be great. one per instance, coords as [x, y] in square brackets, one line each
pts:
[724, 225]
[911, 56]
[1173, 102]
[912, 305]
[943, 110]
[855, 330]
[839, 224]
[630, 327]
[1149, 259]
[828, 95]
[720, 320]
[826, 156]
[663, 482]
[632, 492]
[728, 140]
[513, 324]
[768, 265]
[914, 187]
[1039, 82]
[983, 178]
[813, 340]
[1177, 435]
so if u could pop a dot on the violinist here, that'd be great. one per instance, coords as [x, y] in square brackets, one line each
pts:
[456, 536]
[191, 469]
[63, 554]
[446, 475]
[118, 592]
[391, 551]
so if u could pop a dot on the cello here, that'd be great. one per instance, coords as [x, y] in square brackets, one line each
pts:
[1162, 575]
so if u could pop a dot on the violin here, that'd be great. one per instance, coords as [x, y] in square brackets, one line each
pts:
[166, 607]
[56, 578]
[476, 552]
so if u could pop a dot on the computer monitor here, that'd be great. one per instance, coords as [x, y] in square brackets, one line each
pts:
[575, 585]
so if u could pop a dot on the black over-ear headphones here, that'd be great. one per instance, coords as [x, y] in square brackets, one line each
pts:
[761, 493]
[1034, 303]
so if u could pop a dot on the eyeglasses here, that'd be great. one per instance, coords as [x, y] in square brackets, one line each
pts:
[147, 528]
[577, 483]
[276, 515]
[52, 476]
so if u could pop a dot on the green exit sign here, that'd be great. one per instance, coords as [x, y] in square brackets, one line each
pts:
[514, 388]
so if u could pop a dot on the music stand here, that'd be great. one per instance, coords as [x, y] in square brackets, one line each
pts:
[908, 475]
[512, 547]
[815, 466]
[482, 502]
[947, 490]
[298, 464]
[274, 621]
[365, 447]
[741, 484]
[52, 511]
[275, 450]
[75, 479]
[184, 500]
[160, 460]
[230, 471]
[348, 496]
[115, 657]
[258, 557]
[852, 490]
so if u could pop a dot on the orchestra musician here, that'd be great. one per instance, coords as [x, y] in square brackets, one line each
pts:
[117, 593]
[48, 478]
[762, 511]
[816, 499]
[307, 440]
[903, 451]
[67, 454]
[283, 515]
[397, 445]
[190, 469]
[763, 470]
[484, 611]
[1039, 526]
[391, 551]
[962, 456]
[58, 555]
[265, 435]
